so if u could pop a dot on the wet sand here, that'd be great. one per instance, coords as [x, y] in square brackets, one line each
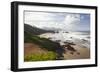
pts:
[81, 49]
[80, 53]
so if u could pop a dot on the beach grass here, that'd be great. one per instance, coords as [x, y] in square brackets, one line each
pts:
[42, 42]
[41, 56]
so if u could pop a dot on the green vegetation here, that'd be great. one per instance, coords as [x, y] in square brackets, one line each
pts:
[41, 57]
[42, 42]
[45, 44]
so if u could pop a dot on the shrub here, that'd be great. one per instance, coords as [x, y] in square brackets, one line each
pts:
[41, 56]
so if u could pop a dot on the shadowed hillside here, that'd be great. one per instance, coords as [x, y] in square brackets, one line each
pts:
[42, 42]
[34, 30]
[52, 49]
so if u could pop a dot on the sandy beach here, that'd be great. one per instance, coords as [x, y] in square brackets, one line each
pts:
[80, 53]
[72, 46]
[57, 36]
[79, 47]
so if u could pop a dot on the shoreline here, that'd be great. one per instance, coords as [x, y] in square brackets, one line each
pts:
[79, 53]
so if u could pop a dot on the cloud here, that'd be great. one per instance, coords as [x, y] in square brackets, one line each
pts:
[42, 16]
[44, 19]
[64, 21]
[71, 21]
[37, 16]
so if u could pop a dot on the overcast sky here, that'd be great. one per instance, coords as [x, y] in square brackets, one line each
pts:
[59, 20]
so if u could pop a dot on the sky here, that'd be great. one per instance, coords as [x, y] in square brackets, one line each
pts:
[58, 20]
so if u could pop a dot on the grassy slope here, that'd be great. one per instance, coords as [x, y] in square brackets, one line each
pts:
[41, 56]
[44, 44]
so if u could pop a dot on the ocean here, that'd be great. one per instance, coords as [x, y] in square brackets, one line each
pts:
[80, 37]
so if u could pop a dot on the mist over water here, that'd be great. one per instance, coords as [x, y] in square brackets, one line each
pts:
[82, 37]
[68, 27]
